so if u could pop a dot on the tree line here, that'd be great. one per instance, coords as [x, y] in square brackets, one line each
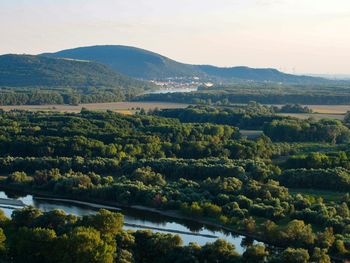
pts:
[200, 170]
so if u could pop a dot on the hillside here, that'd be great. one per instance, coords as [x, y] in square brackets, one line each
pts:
[132, 61]
[144, 64]
[27, 79]
[31, 71]
[257, 74]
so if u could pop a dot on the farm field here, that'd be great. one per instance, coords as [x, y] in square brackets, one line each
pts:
[122, 107]
[329, 109]
[321, 109]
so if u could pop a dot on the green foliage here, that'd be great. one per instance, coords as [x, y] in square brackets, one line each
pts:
[111, 135]
[106, 222]
[28, 79]
[37, 240]
[154, 247]
[297, 233]
[330, 131]
[26, 216]
[18, 177]
[293, 108]
[319, 160]
[219, 251]
[337, 179]
[2, 242]
[202, 170]
[255, 253]
[85, 244]
[291, 255]
[320, 256]
[147, 176]
[252, 116]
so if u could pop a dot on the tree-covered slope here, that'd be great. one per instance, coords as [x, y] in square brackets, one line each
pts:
[257, 74]
[39, 71]
[26, 79]
[144, 64]
[132, 61]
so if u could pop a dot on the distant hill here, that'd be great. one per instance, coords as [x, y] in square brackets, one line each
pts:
[144, 64]
[26, 79]
[134, 62]
[31, 71]
[257, 74]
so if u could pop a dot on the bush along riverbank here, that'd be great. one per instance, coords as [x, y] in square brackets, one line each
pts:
[254, 228]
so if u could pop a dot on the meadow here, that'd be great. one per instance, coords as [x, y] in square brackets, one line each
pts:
[121, 107]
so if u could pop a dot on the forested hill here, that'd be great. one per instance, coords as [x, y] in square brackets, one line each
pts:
[144, 64]
[258, 74]
[39, 71]
[26, 79]
[132, 61]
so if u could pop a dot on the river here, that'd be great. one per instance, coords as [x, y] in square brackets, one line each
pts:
[190, 231]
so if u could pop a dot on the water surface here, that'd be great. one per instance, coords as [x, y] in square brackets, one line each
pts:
[135, 217]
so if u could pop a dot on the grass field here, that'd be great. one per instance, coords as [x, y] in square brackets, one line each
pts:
[320, 111]
[329, 109]
[122, 107]
[251, 134]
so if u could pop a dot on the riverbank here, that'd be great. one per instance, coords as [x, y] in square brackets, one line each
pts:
[102, 204]
[41, 195]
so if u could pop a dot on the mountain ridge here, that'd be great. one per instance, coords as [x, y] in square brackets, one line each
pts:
[144, 64]
[31, 80]
[31, 70]
[136, 62]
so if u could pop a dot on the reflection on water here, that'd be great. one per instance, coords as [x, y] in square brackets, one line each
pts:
[136, 217]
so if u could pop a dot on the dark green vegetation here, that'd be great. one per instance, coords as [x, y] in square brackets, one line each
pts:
[33, 236]
[258, 117]
[192, 162]
[28, 79]
[293, 108]
[266, 93]
[144, 64]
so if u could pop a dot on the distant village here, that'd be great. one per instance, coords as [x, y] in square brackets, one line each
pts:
[181, 83]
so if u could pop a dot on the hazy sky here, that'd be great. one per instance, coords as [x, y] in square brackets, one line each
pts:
[309, 36]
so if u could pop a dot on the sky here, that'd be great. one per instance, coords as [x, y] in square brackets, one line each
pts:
[296, 36]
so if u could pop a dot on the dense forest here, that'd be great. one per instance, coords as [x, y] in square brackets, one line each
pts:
[276, 187]
[26, 79]
[30, 236]
[258, 117]
[261, 92]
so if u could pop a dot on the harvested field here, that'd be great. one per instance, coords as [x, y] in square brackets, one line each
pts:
[329, 109]
[122, 107]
